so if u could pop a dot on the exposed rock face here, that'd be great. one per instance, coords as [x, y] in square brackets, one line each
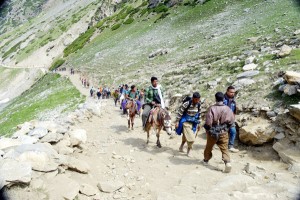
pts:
[250, 66]
[257, 132]
[159, 52]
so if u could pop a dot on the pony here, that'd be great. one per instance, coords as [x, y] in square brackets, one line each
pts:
[159, 118]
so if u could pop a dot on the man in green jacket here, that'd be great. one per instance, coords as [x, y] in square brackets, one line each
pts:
[153, 97]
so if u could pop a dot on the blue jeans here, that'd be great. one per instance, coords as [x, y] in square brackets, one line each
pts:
[232, 134]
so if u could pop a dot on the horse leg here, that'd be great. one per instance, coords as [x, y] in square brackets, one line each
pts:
[132, 121]
[158, 142]
[148, 132]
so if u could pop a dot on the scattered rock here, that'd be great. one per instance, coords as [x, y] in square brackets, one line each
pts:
[290, 89]
[110, 186]
[62, 187]
[279, 136]
[285, 50]
[38, 132]
[297, 32]
[25, 139]
[88, 190]
[52, 137]
[39, 147]
[14, 172]
[247, 74]
[249, 60]
[77, 137]
[292, 77]
[159, 52]
[250, 66]
[212, 84]
[242, 83]
[271, 114]
[253, 39]
[74, 164]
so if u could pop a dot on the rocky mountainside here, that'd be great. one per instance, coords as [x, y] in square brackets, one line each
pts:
[190, 46]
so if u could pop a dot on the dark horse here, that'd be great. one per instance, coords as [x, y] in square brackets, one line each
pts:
[159, 118]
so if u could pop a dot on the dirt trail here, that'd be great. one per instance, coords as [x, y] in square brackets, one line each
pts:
[117, 154]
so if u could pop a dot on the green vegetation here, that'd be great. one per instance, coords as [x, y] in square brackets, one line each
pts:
[129, 21]
[79, 42]
[115, 27]
[56, 64]
[50, 92]
[15, 48]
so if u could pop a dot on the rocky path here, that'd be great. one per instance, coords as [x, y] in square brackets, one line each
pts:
[123, 166]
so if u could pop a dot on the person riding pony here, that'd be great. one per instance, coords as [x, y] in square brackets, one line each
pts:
[134, 95]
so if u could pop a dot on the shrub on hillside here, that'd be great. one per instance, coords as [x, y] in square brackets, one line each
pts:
[79, 42]
[161, 8]
[115, 27]
[129, 21]
[56, 64]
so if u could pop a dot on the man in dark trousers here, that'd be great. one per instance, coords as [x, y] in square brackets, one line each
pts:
[229, 101]
[219, 118]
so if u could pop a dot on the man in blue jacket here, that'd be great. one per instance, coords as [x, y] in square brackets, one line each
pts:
[229, 101]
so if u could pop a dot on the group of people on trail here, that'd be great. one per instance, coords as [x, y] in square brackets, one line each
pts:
[104, 92]
[219, 120]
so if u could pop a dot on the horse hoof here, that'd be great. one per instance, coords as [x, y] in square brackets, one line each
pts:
[159, 145]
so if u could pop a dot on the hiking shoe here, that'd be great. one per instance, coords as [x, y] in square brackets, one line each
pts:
[233, 150]
[227, 168]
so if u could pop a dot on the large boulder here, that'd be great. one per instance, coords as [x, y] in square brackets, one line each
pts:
[77, 137]
[257, 132]
[39, 161]
[62, 187]
[292, 77]
[8, 142]
[247, 74]
[241, 83]
[295, 111]
[39, 147]
[25, 139]
[285, 50]
[14, 172]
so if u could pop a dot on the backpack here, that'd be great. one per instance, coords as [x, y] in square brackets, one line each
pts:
[189, 99]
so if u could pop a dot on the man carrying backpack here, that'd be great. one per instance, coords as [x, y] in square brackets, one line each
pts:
[229, 101]
[219, 118]
[188, 120]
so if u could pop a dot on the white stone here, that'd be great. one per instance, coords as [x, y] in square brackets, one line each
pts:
[110, 186]
[88, 190]
[294, 110]
[52, 137]
[279, 136]
[77, 136]
[249, 67]
[38, 132]
[249, 60]
[25, 139]
[74, 164]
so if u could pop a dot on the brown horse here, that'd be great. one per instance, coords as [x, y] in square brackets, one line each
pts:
[159, 118]
[131, 108]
